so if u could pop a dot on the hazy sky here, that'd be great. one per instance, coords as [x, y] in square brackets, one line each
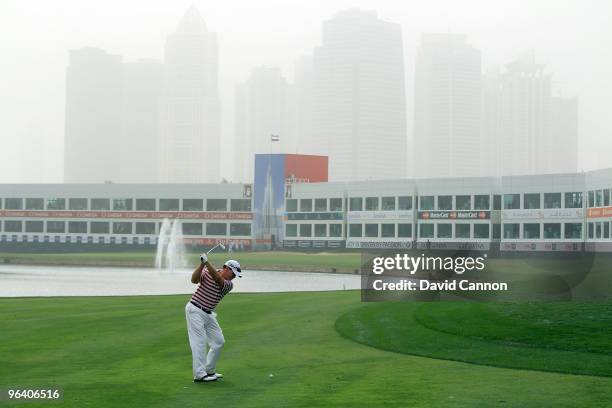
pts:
[571, 37]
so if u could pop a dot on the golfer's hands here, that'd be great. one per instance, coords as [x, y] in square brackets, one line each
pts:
[203, 257]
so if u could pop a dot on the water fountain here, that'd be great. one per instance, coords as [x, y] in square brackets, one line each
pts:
[170, 249]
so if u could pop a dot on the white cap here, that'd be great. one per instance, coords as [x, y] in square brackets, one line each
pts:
[234, 266]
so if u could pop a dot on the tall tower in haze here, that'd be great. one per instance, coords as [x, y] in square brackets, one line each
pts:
[263, 107]
[359, 106]
[447, 107]
[93, 117]
[191, 109]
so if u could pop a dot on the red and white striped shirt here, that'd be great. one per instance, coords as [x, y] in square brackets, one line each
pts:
[208, 294]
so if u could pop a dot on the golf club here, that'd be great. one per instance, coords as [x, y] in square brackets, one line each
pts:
[213, 248]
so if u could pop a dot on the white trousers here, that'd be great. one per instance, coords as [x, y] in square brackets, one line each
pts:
[203, 330]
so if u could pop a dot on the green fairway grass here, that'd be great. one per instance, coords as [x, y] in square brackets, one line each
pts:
[133, 352]
[563, 337]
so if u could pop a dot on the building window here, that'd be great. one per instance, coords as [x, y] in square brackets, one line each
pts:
[606, 197]
[531, 201]
[511, 231]
[194, 204]
[606, 229]
[590, 230]
[552, 230]
[291, 230]
[481, 231]
[404, 230]
[320, 230]
[404, 203]
[145, 228]
[573, 200]
[445, 230]
[445, 202]
[481, 202]
[240, 229]
[598, 230]
[100, 204]
[77, 227]
[305, 230]
[291, 205]
[371, 230]
[356, 204]
[78, 204]
[387, 230]
[426, 203]
[192, 228]
[335, 204]
[13, 226]
[552, 200]
[355, 230]
[35, 226]
[145, 204]
[35, 204]
[172, 204]
[598, 198]
[531, 231]
[462, 231]
[496, 231]
[240, 204]
[388, 204]
[13, 204]
[591, 199]
[426, 230]
[123, 204]
[56, 204]
[320, 205]
[216, 204]
[56, 227]
[497, 202]
[512, 201]
[99, 227]
[573, 230]
[371, 203]
[306, 205]
[335, 230]
[216, 228]
[464, 202]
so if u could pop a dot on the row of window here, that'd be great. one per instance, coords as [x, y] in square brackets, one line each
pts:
[555, 230]
[121, 227]
[533, 201]
[126, 204]
[599, 230]
[600, 198]
[355, 204]
[458, 202]
[320, 204]
[316, 230]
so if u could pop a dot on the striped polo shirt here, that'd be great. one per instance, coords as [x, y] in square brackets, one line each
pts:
[208, 294]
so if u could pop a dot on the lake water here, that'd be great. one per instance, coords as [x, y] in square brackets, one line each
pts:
[28, 280]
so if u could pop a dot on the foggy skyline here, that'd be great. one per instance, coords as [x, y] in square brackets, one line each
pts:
[571, 41]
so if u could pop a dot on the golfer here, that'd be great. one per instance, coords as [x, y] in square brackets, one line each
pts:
[202, 323]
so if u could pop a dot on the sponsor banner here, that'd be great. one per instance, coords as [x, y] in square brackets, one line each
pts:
[549, 213]
[294, 243]
[379, 244]
[602, 212]
[454, 215]
[379, 215]
[215, 241]
[542, 246]
[481, 246]
[129, 214]
[314, 216]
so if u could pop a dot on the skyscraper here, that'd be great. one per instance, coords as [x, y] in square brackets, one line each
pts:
[92, 143]
[191, 108]
[447, 107]
[264, 107]
[141, 104]
[359, 106]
